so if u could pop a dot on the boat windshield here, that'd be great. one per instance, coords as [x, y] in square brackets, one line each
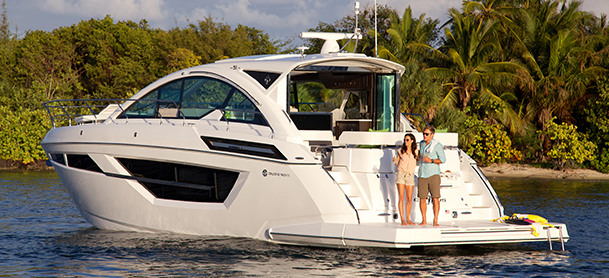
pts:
[194, 98]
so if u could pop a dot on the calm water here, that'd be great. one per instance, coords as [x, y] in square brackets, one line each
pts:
[42, 234]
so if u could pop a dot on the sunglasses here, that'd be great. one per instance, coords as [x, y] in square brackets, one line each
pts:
[426, 134]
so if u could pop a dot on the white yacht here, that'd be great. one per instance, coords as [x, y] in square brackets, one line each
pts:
[291, 149]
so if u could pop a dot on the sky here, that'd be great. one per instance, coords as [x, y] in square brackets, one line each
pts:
[281, 19]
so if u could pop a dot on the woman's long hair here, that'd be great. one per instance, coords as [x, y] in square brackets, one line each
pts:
[413, 146]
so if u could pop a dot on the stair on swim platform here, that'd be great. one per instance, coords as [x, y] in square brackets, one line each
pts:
[471, 189]
[483, 212]
[475, 200]
[349, 189]
[480, 208]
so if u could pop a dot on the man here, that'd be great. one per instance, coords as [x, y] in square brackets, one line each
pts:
[431, 155]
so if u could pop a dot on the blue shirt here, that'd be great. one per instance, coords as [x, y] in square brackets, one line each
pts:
[427, 170]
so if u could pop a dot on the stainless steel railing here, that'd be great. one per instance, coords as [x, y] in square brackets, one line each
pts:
[66, 112]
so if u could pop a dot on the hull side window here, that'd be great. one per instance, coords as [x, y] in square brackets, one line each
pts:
[82, 161]
[181, 182]
[58, 157]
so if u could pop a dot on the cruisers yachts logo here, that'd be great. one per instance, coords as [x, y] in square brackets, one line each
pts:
[266, 173]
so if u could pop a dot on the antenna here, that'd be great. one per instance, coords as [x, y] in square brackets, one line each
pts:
[330, 44]
[376, 55]
[356, 30]
[356, 15]
[302, 50]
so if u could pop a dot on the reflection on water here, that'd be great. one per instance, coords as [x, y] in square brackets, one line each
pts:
[41, 234]
[128, 253]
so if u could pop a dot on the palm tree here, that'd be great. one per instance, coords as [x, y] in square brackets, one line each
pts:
[409, 37]
[408, 44]
[469, 70]
[558, 56]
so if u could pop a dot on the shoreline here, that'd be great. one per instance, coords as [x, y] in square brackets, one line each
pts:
[504, 170]
[527, 171]
[13, 165]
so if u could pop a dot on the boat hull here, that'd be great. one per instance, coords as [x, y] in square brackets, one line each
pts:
[266, 193]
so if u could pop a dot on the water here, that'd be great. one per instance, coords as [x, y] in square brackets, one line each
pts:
[42, 235]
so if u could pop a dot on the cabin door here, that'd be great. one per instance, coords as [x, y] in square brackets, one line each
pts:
[386, 102]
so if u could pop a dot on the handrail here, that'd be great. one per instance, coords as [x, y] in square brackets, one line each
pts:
[70, 109]
[346, 196]
[417, 114]
[318, 103]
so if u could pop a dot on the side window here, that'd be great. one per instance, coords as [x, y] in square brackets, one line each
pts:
[161, 102]
[195, 97]
[241, 109]
[203, 95]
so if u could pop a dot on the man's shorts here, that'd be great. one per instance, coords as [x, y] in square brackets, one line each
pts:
[431, 184]
[404, 178]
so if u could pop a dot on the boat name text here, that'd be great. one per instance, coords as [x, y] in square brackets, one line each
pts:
[266, 173]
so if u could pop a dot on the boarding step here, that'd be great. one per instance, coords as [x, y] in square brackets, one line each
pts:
[470, 186]
[484, 212]
[356, 202]
[475, 200]
[346, 183]
[473, 188]
[335, 176]
[346, 187]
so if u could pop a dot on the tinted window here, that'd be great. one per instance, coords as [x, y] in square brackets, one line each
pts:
[58, 157]
[193, 98]
[83, 161]
[181, 182]
[265, 79]
[203, 95]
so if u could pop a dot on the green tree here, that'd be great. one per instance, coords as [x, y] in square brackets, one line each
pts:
[487, 143]
[560, 54]
[597, 117]
[116, 59]
[421, 94]
[261, 41]
[558, 58]
[21, 134]
[365, 22]
[182, 58]
[569, 146]
[213, 41]
[8, 43]
[408, 38]
[47, 64]
[407, 41]
[17, 97]
[468, 71]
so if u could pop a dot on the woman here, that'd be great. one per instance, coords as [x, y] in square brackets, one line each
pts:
[406, 160]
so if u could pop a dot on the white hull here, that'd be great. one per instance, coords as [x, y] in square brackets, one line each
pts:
[213, 167]
[389, 236]
[120, 204]
[304, 206]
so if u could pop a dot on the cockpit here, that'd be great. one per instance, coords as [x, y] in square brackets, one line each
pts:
[342, 98]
